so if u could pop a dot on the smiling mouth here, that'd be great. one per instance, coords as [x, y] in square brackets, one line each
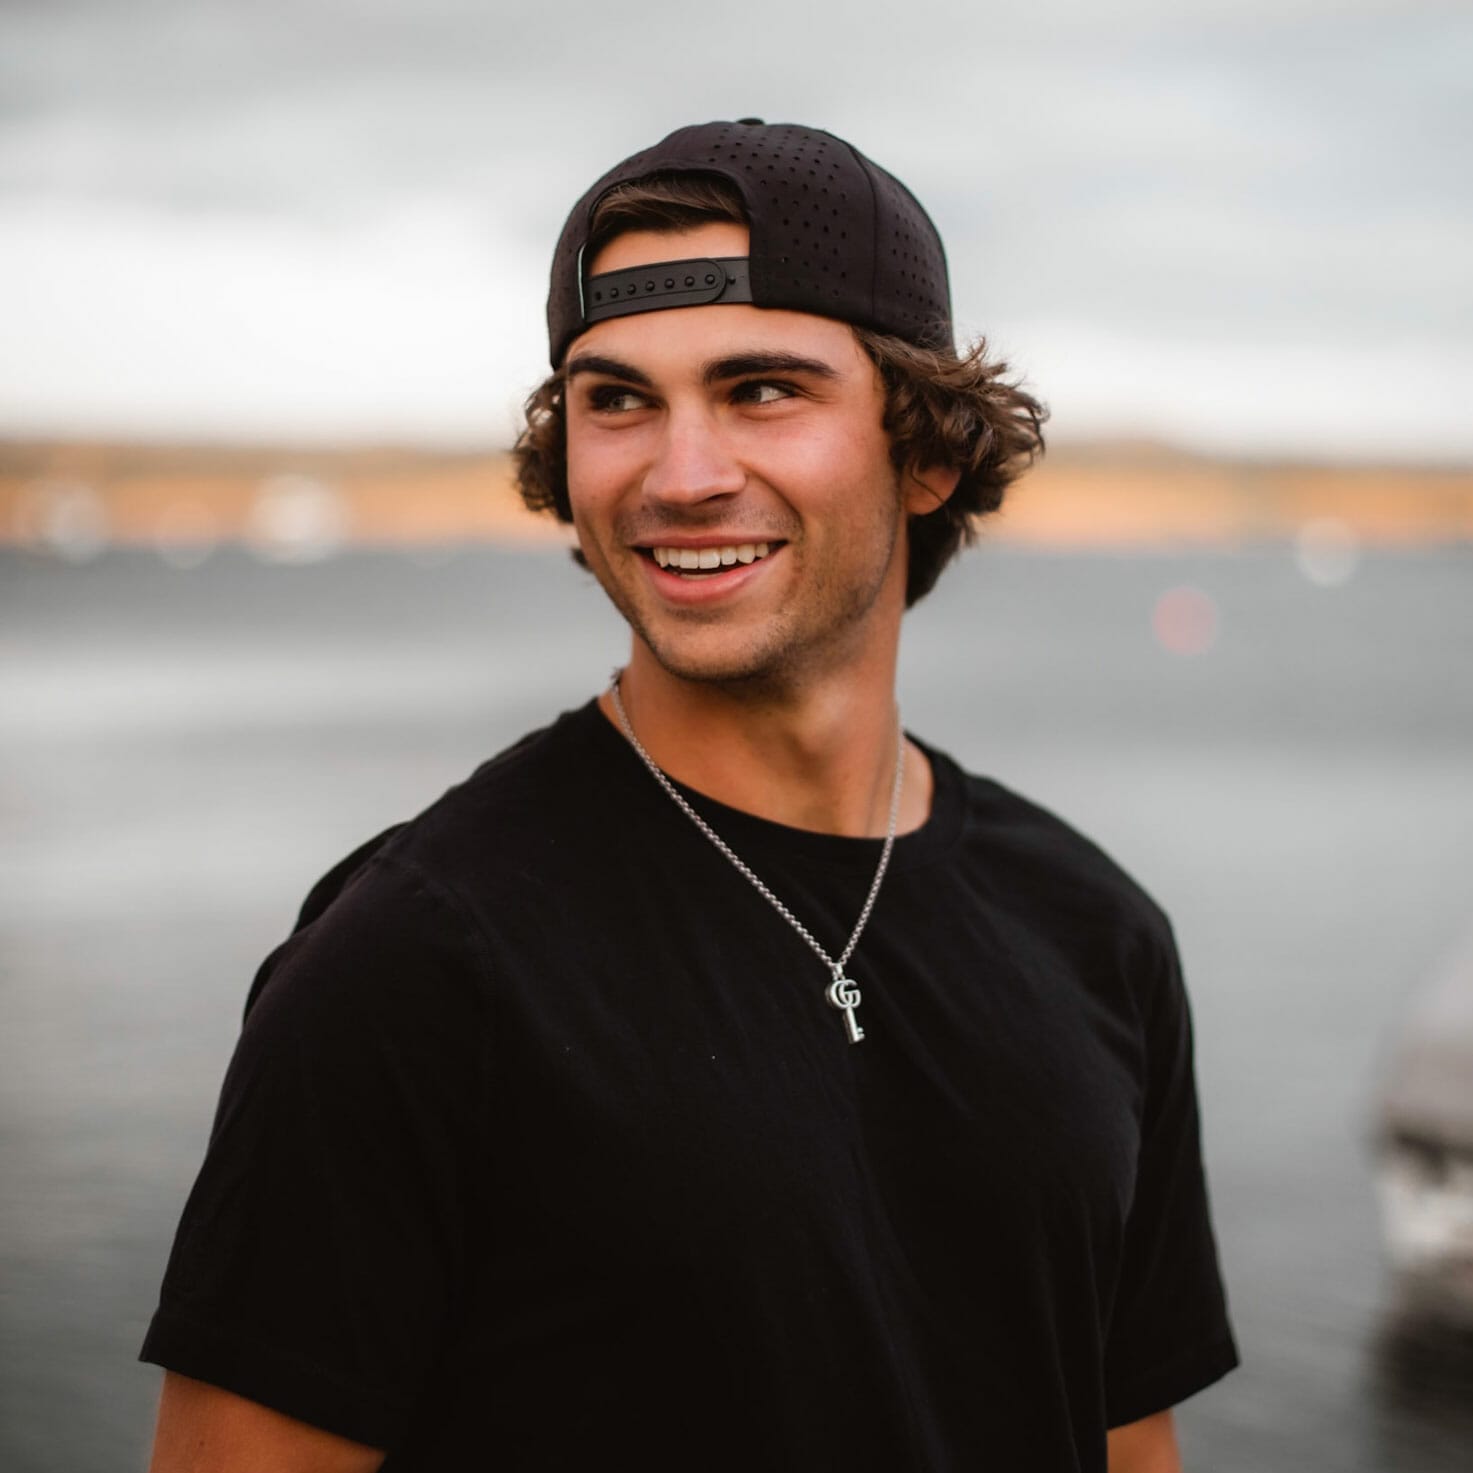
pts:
[701, 562]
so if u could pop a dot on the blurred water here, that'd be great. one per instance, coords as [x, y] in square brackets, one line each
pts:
[183, 751]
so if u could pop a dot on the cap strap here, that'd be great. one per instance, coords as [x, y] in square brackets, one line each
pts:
[692, 283]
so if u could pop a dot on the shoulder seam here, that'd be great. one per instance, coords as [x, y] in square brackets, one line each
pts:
[448, 896]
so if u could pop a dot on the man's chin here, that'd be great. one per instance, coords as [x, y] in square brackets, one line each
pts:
[725, 671]
[715, 661]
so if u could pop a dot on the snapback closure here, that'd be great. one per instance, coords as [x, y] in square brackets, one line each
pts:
[696, 282]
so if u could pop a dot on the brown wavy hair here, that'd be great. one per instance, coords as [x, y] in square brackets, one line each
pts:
[943, 408]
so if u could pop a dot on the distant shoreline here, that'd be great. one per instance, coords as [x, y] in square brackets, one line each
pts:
[1106, 495]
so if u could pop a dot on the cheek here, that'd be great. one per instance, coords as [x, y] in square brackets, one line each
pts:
[819, 465]
[595, 471]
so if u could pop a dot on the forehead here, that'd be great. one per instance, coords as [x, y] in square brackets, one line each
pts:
[667, 337]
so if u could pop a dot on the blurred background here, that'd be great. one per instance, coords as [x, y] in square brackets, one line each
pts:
[271, 289]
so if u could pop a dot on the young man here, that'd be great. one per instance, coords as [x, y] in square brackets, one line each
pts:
[719, 1078]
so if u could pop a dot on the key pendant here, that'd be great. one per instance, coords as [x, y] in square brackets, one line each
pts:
[844, 995]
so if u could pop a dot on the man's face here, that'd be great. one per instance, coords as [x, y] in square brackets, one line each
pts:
[704, 435]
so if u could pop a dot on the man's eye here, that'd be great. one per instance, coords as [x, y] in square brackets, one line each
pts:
[762, 391]
[610, 399]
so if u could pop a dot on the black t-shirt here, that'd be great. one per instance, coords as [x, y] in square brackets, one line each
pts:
[541, 1144]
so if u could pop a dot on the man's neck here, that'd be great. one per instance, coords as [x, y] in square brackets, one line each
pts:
[822, 759]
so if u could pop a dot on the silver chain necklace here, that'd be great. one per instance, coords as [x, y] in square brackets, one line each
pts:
[841, 993]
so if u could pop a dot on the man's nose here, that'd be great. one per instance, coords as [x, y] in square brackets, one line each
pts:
[694, 461]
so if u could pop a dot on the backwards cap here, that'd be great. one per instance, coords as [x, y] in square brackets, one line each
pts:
[831, 233]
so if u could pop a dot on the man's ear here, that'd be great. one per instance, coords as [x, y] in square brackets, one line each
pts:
[929, 487]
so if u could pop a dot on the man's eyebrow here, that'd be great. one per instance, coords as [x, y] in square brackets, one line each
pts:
[609, 367]
[718, 370]
[744, 365]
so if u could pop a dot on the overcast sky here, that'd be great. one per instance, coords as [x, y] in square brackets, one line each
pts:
[1241, 226]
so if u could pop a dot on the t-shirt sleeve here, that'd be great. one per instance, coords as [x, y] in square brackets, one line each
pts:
[316, 1265]
[1169, 1333]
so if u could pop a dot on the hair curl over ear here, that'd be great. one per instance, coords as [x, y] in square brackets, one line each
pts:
[957, 411]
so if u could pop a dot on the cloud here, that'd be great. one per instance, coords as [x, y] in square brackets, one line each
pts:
[214, 217]
[419, 326]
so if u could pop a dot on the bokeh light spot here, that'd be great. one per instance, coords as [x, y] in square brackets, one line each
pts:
[1327, 551]
[1185, 621]
[186, 532]
[64, 517]
[297, 518]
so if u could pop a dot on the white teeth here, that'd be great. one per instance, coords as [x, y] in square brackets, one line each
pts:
[707, 558]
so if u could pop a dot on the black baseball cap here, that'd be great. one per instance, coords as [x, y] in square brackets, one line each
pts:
[832, 233]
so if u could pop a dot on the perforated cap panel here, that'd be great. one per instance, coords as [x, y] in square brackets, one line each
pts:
[832, 232]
